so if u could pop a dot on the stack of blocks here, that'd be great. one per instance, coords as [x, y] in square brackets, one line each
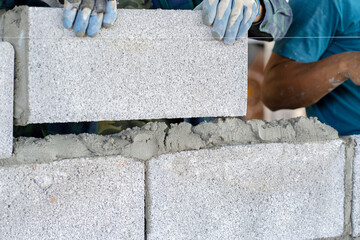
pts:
[261, 191]
[157, 64]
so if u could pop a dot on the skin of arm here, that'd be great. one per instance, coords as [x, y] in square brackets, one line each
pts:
[260, 17]
[289, 84]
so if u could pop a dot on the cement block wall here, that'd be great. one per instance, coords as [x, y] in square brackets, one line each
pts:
[6, 99]
[167, 56]
[356, 191]
[261, 191]
[84, 198]
[221, 180]
[227, 179]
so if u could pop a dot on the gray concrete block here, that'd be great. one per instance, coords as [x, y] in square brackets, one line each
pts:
[356, 190]
[6, 99]
[263, 191]
[2, 12]
[151, 64]
[85, 198]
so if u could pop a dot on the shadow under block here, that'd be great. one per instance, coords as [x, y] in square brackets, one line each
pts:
[262, 191]
[82, 198]
[151, 64]
[6, 99]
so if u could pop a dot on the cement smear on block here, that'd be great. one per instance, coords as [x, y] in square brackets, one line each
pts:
[17, 34]
[155, 139]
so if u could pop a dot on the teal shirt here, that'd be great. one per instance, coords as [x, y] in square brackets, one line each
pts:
[320, 29]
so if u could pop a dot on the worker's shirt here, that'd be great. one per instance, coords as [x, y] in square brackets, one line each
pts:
[320, 29]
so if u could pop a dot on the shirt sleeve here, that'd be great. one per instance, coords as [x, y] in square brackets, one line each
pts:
[32, 3]
[276, 22]
[6, 4]
[175, 4]
[311, 32]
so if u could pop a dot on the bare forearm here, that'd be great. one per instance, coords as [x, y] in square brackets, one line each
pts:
[289, 84]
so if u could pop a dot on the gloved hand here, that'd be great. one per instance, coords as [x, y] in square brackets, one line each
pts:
[231, 19]
[90, 15]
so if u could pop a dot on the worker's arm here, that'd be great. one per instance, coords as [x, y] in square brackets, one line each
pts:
[290, 84]
[260, 15]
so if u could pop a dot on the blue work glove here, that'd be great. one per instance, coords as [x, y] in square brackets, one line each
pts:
[88, 16]
[230, 19]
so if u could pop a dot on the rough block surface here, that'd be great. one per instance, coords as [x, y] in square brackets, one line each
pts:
[6, 99]
[356, 190]
[86, 198]
[263, 191]
[150, 64]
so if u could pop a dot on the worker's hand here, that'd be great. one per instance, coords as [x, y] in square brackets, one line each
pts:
[89, 15]
[231, 19]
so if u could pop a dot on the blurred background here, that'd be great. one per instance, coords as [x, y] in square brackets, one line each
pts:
[259, 54]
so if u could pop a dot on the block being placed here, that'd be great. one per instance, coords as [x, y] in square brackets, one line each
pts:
[6, 99]
[150, 64]
[263, 191]
[356, 190]
[83, 198]
[2, 12]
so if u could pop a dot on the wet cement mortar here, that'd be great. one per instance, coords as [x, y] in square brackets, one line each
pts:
[154, 139]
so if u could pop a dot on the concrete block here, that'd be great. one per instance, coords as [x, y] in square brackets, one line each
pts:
[262, 191]
[84, 198]
[151, 64]
[6, 99]
[356, 190]
[2, 12]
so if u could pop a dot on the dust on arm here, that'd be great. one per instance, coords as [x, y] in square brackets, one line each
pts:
[289, 84]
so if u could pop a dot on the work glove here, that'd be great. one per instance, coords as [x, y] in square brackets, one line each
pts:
[230, 19]
[89, 15]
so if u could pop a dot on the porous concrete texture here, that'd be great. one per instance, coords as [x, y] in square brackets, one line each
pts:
[150, 64]
[240, 179]
[261, 191]
[83, 198]
[356, 190]
[6, 99]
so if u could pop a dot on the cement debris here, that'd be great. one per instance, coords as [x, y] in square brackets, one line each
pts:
[155, 139]
[19, 20]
